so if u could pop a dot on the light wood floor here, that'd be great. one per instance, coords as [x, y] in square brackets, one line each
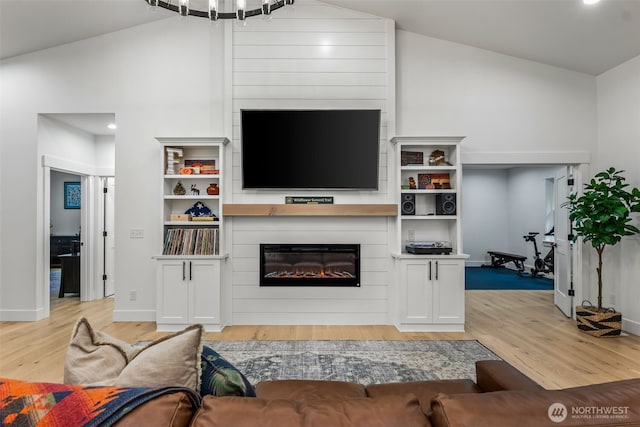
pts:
[522, 327]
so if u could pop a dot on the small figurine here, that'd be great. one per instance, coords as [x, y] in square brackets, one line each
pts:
[179, 190]
[412, 183]
[194, 190]
[437, 159]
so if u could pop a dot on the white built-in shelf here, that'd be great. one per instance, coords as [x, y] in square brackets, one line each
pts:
[193, 176]
[430, 191]
[430, 217]
[427, 168]
[193, 223]
[190, 197]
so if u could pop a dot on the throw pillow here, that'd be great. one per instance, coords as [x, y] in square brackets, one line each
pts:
[221, 378]
[173, 360]
[95, 358]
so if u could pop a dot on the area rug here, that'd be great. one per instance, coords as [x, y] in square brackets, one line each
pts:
[491, 278]
[363, 362]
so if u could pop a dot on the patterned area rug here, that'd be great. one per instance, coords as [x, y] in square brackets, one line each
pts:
[364, 362]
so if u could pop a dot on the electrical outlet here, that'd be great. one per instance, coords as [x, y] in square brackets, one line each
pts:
[136, 233]
[133, 295]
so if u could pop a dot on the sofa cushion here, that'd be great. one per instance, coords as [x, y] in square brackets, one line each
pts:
[423, 390]
[95, 358]
[170, 410]
[611, 404]
[495, 375]
[221, 378]
[388, 411]
[308, 390]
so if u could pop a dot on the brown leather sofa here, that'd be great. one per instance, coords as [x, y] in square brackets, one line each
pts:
[501, 396]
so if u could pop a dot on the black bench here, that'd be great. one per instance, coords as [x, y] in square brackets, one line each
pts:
[499, 259]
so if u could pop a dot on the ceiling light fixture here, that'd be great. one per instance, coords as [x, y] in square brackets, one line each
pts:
[213, 13]
[590, 1]
[112, 126]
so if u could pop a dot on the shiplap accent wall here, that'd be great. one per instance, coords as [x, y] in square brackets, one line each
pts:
[312, 56]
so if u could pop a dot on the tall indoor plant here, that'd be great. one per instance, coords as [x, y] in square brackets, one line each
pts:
[602, 216]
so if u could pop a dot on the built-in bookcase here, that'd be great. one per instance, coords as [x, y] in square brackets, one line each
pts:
[190, 264]
[430, 285]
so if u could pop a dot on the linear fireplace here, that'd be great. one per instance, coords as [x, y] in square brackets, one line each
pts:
[309, 265]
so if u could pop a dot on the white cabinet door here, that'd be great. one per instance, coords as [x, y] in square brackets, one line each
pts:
[188, 292]
[416, 296]
[172, 299]
[448, 291]
[431, 291]
[204, 288]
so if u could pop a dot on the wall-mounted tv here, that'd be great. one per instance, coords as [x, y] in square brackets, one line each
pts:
[310, 149]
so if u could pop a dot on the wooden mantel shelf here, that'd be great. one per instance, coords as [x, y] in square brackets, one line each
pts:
[309, 210]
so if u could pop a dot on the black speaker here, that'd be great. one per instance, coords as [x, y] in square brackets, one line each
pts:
[408, 204]
[445, 204]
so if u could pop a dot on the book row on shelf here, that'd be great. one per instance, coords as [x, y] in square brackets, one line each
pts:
[191, 241]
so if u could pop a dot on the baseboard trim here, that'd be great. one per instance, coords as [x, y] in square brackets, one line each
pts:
[134, 315]
[631, 326]
[22, 315]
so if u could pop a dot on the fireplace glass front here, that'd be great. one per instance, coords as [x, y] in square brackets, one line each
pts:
[309, 265]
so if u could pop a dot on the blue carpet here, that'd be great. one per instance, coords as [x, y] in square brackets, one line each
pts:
[488, 278]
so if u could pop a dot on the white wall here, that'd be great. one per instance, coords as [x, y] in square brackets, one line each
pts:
[160, 79]
[527, 209]
[485, 219]
[327, 58]
[619, 146]
[500, 103]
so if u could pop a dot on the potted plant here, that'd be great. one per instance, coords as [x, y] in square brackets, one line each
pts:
[602, 216]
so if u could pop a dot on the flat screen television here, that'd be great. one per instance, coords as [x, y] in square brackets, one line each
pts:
[310, 149]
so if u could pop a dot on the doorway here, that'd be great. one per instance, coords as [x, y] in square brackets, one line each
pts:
[64, 235]
[79, 147]
[506, 209]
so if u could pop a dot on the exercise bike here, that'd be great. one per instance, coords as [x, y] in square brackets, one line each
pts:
[540, 265]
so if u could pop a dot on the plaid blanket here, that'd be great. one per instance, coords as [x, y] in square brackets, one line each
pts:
[28, 404]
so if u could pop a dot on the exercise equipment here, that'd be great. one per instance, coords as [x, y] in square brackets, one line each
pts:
[499, 259]
[540, 265]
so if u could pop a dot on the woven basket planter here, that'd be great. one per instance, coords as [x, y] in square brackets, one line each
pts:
[599, 323]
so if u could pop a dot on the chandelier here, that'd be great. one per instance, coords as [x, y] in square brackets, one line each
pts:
[213, 12]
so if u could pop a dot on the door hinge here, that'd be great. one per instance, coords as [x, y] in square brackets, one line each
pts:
[104, 234]
[572, 292]
[104, 277]
[105, 190]
[570, 181]
[570, 237]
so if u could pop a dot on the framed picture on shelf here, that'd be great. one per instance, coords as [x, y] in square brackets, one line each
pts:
[72, 195]
[408, 158]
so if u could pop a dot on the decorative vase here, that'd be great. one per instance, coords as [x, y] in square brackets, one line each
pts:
[598, 323]
[179, 190]
[213, 189]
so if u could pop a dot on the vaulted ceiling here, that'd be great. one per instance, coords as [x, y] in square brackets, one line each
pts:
[563, 33]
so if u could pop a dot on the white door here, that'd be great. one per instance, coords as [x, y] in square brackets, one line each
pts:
[562, 259]
[109, 240]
